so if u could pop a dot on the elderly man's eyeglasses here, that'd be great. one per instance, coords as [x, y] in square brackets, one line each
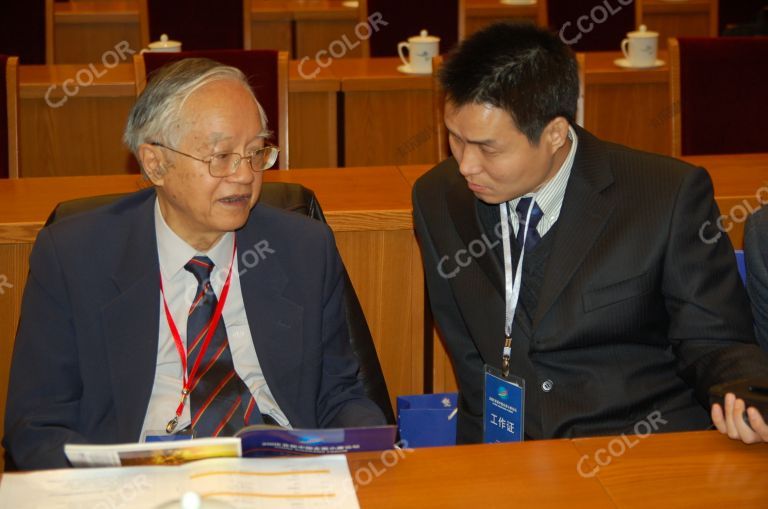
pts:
[224, 164]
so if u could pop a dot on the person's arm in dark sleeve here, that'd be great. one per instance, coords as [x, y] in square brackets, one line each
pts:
[466, 360]
[45, 387]
[710, 321]
[755, 255]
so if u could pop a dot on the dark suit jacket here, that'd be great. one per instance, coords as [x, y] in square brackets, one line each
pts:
[756, 259]
[636, 313]
[86, 346]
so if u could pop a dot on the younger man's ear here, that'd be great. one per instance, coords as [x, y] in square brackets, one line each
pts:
[556, 133]
[151, 161]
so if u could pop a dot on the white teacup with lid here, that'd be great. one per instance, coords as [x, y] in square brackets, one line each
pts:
[640, 47]
[164, 45]
[421, 49]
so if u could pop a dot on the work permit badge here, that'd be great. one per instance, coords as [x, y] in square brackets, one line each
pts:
[503, 407]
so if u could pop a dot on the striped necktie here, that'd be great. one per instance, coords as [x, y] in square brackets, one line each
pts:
[220, 402]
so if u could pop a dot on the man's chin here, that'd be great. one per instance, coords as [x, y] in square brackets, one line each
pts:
[489, 199]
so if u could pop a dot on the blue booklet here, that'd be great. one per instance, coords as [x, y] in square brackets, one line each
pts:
[260, 441]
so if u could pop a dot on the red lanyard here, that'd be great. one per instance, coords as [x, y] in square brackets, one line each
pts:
[188, 381]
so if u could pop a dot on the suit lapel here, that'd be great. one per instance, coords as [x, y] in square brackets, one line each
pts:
[584, 214]
[485, 315]
[463, 210]
[131, 323]
[275, 322]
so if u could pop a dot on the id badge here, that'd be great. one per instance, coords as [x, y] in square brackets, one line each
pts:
[503, 407]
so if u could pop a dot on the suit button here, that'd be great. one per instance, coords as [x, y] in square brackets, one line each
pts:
[546, 386]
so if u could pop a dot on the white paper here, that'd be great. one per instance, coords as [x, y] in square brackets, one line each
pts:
[306, 482]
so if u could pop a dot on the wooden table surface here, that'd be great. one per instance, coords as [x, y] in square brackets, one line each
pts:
[674, 470]
[695, 469]
[536, 474]
[353, 199]
[374, 74]
[601, 68]
[732, 175]
[698, 469]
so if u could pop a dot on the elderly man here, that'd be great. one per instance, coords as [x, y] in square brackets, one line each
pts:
[138, 318]
[597, 290]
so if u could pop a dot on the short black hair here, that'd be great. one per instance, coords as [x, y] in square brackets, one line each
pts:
[524, 70]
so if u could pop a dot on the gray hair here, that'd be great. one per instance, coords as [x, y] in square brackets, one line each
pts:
[156, 116]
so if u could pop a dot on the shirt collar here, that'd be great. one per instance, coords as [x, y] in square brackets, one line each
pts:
[174, 252]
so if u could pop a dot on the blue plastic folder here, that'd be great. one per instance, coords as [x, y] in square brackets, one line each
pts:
[427, 420]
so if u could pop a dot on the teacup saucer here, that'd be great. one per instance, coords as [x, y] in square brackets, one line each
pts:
[517, 2]
[623, 62]
[407, 70]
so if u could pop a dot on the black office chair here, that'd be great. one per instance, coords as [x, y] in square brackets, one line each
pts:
[296, 198]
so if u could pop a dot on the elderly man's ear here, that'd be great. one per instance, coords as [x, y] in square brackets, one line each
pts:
[153, 163]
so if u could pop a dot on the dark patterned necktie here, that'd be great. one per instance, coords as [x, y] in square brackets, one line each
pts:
[533, 237]
[220, 402]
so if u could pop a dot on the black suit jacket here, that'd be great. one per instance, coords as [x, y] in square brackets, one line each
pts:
[756, 258]
[636, 313]
[86, 347]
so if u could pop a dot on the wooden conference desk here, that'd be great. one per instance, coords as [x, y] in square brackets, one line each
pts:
[386, 116]
[369, 210]
[694, 469]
